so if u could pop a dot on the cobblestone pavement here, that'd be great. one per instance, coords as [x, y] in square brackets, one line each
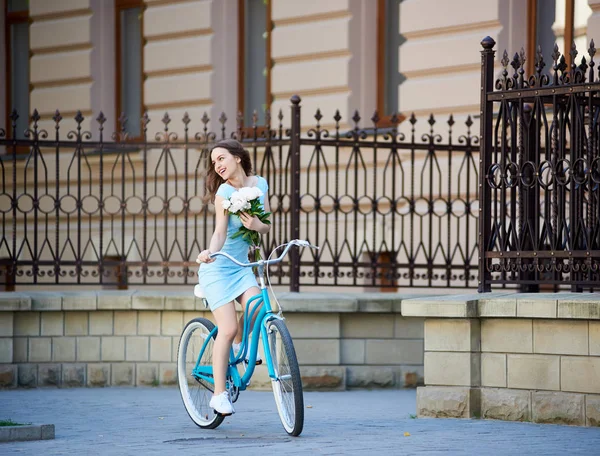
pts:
[152, 421]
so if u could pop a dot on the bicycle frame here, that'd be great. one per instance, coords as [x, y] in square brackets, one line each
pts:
[262, 303]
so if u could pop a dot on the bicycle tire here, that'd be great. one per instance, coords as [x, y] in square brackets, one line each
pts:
[287, 388]
[196, 402]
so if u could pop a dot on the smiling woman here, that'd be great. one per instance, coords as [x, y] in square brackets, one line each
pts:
[221, 280]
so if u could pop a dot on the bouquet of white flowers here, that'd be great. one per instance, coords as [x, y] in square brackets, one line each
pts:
[246, 199]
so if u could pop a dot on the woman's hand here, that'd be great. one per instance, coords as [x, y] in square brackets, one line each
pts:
[251, 222]
[203, 257]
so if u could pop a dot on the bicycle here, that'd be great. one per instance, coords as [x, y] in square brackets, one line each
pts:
[195, 372]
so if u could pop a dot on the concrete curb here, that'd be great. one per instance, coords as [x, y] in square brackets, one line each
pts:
[25, 433]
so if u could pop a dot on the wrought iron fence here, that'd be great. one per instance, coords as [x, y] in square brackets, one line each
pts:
[540, 201]
[387, 208]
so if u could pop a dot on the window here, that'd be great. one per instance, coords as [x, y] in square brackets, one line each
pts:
[388, 44]
[556, 21]
[17, 64]
[129, 47]
[254, 54]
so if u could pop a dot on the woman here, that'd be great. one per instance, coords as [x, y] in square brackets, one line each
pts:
[223, 281]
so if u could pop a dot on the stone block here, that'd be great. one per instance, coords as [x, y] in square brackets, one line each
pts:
[136, 348]
[88, 348]
[321, 377]
[584, 306]
[313, 325]
[172, 323]
[6, 350]
[47, 432]
[367, 325]
[125, 323]
[98, 374]
[147, 374]
[73, 375]
[6, 324]
[8, 375]
[497, 306]
[307, 302]
[180, 301]
[448, 306]
[20, 348]
[376, 302]
[148, 300]
[505, 404]
[53, 323]
[506, 336]
[371, 376]
[410, 376]
[11, 301]
[63, 349]
[101, 323]
[160, 349]
[189, 316]
[452, 369]
[115, 299]
[199, 304]
[317, 351]
[40, 349]
[148, 323]
[394, 351]
[592, 410]
[168, 374]
[174, 347]
[76, 324]
[533, 372]
[493, 370]
[352, 351]
[409, 328]
[49, 374]
[123, 374]
[27, 375]
[558, 408]
[79, 300]
[452, 335]
[113, 348]
[45, 301]
[561, 337]
[448, 402]
[594, 338]
[537, 305]
[27, 324]
[580, 374]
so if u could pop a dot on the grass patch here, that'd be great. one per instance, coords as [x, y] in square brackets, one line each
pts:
[10, 422]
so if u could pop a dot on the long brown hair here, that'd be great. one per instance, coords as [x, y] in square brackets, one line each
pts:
[213, 180]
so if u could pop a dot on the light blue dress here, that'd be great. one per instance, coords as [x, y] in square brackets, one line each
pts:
[223, 281]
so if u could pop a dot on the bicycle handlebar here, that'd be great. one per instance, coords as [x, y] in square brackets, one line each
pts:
[298, 242]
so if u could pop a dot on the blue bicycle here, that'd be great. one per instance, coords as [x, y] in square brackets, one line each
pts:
[194, 357]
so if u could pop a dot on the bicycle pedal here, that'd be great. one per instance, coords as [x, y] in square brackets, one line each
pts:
[222, 414]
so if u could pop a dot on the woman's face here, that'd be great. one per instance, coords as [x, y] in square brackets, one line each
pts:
[224, 162]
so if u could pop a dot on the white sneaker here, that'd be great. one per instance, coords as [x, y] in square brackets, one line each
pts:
[221, 404]
[236, 350]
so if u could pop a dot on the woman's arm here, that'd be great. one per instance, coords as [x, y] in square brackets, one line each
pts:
[219, 235]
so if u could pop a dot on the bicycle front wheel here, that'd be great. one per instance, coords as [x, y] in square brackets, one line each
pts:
[196, 393]
[287, 386]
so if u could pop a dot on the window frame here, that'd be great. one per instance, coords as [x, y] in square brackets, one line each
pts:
[121, 5]
[11, 18]
[532, 33]
[385, 119]
[248, 130]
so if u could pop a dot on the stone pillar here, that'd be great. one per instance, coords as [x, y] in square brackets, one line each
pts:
[452, 369]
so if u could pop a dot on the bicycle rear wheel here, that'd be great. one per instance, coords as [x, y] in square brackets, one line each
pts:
[287, 387]
[195, 393]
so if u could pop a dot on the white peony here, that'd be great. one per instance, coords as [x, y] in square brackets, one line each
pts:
[226, 204]
[250, 193]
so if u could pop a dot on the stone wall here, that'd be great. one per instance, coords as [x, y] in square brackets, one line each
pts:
[518, 357]
[108, 338]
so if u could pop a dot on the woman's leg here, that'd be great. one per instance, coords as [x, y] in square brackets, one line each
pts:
[243, 300]
[227, 322]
